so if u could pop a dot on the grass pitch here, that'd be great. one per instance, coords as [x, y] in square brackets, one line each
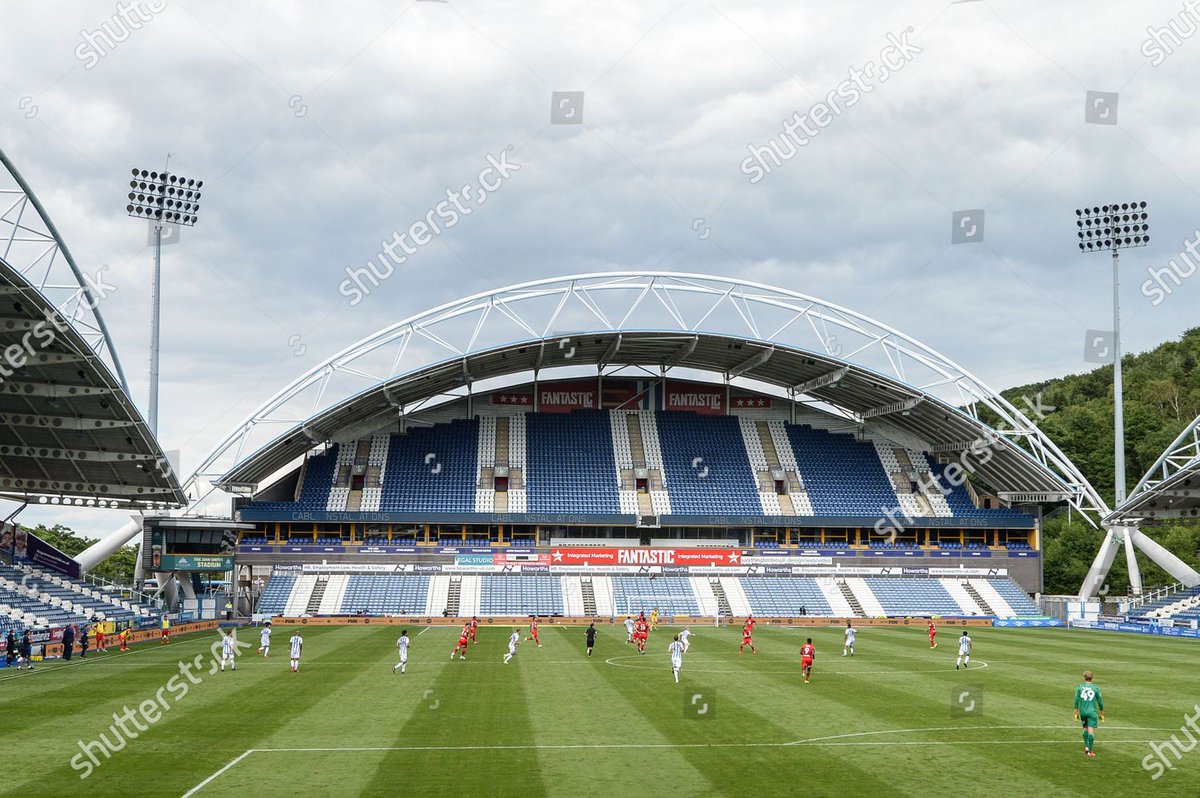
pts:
[892, 720]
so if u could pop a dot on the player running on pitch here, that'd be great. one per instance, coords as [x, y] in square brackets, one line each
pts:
[297, 646]
[683, 638]
[591, 638]
[676, 649]
[474, 626]
[533, 633]
[628, 629]
[227, 651]
[402, 647]
[1089, 710]
[513, 641]
[848, 645]
[964, 651]
[748, 637]
[807, 653]
[463, 636]
[932, 635]
[264, 639]
[641, 632]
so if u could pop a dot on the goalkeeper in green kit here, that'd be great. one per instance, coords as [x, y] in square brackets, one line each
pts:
[1089, 710]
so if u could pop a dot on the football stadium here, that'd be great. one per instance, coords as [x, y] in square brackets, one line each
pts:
[666, 532]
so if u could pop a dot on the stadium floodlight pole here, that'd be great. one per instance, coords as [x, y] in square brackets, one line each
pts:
[163, 199]
[1111, 228]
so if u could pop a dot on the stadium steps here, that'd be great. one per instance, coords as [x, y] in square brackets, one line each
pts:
[706, 597]
[996, 603]
[588, 593]
[435, 600]
[318, 593]
[850, 598]
[454, 596]
[335, 591]
[866, 597]
[637, 448]
[354, 501]
[739, 602]
[977, 598]
[964, 599]
[298, 598]
[602, 588]
[572, 595]
[718, 591]
[469, 596]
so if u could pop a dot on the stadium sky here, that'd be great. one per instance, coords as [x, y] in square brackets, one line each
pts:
[322, 130]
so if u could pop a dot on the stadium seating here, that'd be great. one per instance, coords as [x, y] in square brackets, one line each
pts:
[901, 597]
[385, 594]
[844, 476]
[569, 463]
[520, 595]
[56, 600]
[1152, 607]
[275, 594]
[670, 595]
[706, 466]
[771, 597]
[1017, 598]
[432, 469]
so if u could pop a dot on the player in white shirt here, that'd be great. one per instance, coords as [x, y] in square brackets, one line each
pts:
[402, 647]
[964, 651]
[683, 638]
[848, 645]
[297, 645]
[628, 629]
[227, 651]
[676, 649]
[513, 640]
[264, 639]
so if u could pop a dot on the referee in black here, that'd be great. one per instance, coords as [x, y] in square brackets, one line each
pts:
[591, 638]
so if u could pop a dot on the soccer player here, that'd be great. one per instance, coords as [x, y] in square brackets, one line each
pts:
[264, 639]
[676, 649]
[848, 645]
[641, 632]
[751, 622]
[227, 651]
[591, 638]
[165, 637]
[124, 638]
[25, 652]
[932, 635]
[683, 638]
[100, 638]
[513, 640]
[964, 651]
[297, 646]
[402, 647]
[654, 618]
[474, 625]
[463, 636]
[628, 629]
[533, 632]
[808, 652]
[1089, 709]
[748, 637]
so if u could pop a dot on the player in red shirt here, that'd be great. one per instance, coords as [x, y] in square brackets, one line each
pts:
[99, 639]
[461, 648]
[748, 637]
[807, 653]
[533, 633]
[750, 622]
[124, 638]
[932, 635]
[641, 631]
[474, 624]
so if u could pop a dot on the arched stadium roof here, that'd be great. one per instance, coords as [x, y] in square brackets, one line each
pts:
[69, 432]
[1171, 488]
[657, 321]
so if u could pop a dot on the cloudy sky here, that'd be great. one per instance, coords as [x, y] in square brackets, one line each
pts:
[321, 133]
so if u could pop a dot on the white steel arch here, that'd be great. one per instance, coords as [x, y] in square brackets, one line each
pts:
[561, 307]
[31, 245]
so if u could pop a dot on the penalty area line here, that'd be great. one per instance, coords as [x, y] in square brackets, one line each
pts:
[228, 765]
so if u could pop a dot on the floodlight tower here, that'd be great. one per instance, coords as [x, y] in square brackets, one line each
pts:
[1111, 228]
[163, 199]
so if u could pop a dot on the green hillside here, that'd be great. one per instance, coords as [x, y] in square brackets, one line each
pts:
[1162, 395]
